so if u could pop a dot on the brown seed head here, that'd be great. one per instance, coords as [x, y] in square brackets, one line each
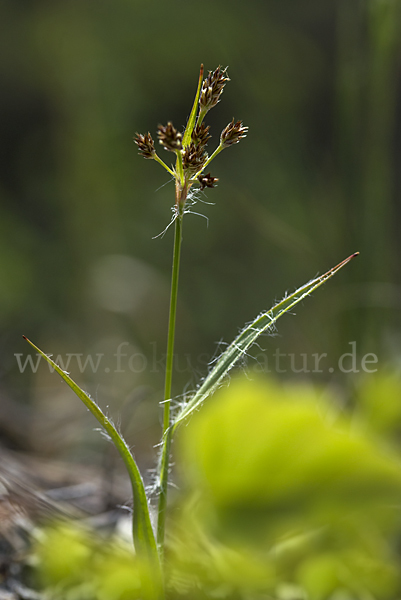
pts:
[207, 181]
[193, 158]
[212, 88]
[233, 133]
[200, 135]
[169, 137]
[146, 146]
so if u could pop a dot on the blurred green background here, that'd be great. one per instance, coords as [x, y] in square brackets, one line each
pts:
[317, 178]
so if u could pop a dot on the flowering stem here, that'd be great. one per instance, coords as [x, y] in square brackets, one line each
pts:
[189, 149]
[163, 477]
[172, 318]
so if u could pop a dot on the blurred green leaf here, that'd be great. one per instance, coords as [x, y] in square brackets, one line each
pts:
[77, 562]
[277, 471]
[378, 403]
[273, 447]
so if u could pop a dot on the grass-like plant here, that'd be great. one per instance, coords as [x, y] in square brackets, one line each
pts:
[191, 162]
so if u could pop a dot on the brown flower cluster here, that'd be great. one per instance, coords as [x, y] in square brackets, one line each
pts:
[193, 158]
[212, 89]
[190, 147]
[233, 133]
[200, 135]
[145, 145]
[206, 181]
[169, 137]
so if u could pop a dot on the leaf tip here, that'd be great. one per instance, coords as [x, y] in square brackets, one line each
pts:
[25, 338]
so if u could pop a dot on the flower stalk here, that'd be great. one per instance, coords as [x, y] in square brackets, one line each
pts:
[191, 160]
[164, 464]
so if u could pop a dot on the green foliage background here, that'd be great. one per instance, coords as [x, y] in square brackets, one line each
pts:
[316, 179]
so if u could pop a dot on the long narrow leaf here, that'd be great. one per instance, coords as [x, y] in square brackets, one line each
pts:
[186, 140]
[247, 338]
[144, 538]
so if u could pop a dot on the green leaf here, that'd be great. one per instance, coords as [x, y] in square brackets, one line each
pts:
[192, 117]
[247, 338]
[284, 447]
[144, 539]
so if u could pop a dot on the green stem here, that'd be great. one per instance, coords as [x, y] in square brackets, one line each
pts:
[171, 324]
[163, 164]
[201, 116]
[180, 168]
[169, 374]
[163, 483]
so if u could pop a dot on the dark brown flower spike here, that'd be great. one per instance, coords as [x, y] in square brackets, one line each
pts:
[233, 133]
[212, 89]
[169, 137]
[193, 159]
[190, 146]
[146, 146]
[200, 135]
[206, 181]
